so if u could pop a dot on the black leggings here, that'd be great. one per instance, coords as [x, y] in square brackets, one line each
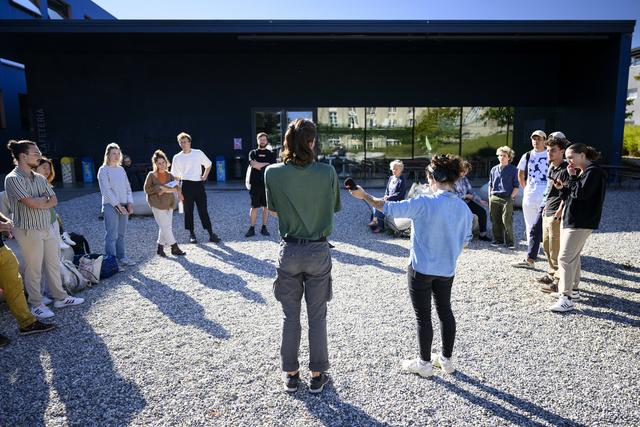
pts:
[478, 210]
[421, 287]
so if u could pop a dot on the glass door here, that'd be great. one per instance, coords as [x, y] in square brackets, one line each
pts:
[269, 121]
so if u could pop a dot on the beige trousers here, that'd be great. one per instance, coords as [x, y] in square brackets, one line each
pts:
[572, 241]
[41, 253]
[551, 243]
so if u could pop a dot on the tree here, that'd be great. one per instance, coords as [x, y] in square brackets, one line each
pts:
[502, 115]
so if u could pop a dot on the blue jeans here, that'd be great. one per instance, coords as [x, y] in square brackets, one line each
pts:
[115, 226]
[380, 216]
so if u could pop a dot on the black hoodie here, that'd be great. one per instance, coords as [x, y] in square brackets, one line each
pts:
[584, 197]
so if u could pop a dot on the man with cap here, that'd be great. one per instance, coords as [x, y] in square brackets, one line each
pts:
[532, 176]
[534, 228]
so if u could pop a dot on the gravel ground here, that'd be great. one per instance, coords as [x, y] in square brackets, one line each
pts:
[195, 341]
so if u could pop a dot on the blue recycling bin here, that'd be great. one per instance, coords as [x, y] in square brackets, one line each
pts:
[88, 170]
[221, 169]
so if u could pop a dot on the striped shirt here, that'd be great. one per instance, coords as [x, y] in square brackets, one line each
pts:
[20, 185]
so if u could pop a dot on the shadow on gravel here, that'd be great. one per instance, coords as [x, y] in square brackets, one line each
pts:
[82, 375]
[346, 258]
[606, 284]
[240, 260]
[330, 410]
[531, 410]
[608, 268]
[375, 244]
[176, 305]
[218, 280]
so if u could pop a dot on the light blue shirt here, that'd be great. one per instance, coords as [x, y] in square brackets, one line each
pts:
[440, 227]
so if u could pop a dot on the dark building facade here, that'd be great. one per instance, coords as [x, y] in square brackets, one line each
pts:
[17, 119]
[139, 83]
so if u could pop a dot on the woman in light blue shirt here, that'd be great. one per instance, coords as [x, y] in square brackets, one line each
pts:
[441, 226]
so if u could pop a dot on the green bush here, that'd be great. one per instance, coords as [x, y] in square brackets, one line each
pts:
[631, 141]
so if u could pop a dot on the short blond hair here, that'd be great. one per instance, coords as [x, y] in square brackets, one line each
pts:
[395, 163]
[184, 135]
[506, 150]
[111, 146]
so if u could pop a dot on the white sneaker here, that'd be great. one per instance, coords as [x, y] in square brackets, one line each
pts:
[574, 294]
[68, 301]
[126, 262]
[42, 312]
[46, 300]
[67, 239]
[563, 304]
[417, 366]
[444, 363]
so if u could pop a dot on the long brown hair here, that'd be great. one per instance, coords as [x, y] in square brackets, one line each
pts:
[590, 152]
[52, 174]
[157, 155]
[296, 148]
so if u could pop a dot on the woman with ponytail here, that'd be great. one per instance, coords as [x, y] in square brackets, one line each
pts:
[583, 196]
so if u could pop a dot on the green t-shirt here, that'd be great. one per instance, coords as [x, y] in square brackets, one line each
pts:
[305, 198]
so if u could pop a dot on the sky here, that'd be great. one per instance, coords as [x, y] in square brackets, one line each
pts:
[377, 9]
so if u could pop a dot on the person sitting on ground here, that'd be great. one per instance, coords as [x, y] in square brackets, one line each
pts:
[503, 188]
[441, 225]
[395, 192]
[161, 198]
[134, 175]
[13, 288]
[474, 203]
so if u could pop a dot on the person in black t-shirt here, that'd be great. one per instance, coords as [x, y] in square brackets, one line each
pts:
[259, 158]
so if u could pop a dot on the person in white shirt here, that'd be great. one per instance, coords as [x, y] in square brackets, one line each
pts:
[187, 167]
[532, 176]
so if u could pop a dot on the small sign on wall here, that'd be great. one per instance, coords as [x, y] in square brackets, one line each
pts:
[237, 143]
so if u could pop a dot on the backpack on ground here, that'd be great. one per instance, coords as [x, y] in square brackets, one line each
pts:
[82, 245]
[72, 280]
[89, 266]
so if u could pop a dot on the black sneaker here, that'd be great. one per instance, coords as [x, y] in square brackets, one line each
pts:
[330, 246]
[549, 288]
[37, 327]
[291, 382]
[4, 340]
[213, 238]
[545, 280]
[264, 231]
[497, 243]
[316, 385]
[192, 238]
[511, 245]
[484, 238]
[251, 232]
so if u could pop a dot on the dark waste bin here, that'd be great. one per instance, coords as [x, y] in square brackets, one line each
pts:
[237, 166]
[88, 170]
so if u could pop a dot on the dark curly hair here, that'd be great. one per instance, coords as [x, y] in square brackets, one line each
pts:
[445, 168]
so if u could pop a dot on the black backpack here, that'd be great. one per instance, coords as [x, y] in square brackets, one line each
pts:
[82, 246]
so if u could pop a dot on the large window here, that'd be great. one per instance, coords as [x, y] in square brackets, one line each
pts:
[437, 131]
[389, 136]
[341, 138]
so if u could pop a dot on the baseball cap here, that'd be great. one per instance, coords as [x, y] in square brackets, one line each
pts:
[557, 135]
[539, 133]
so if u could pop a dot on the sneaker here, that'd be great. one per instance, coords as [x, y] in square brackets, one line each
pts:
[484, 238]
[68, 301]
[563, 304]
[192, 238]
[574, 294]
[126, 262]
[4, 340]
[291, 382]
[444, 363]
[37, 327]
[497, 243]
[42, 312]
[550, 288]
[511, 245]
[264, 231]
[213, 238]
[251, 232]
[330, 245]
[417, 366]
[46, 300]
[545, 280]
[523, 264]
[67, 239]
[316, 384]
